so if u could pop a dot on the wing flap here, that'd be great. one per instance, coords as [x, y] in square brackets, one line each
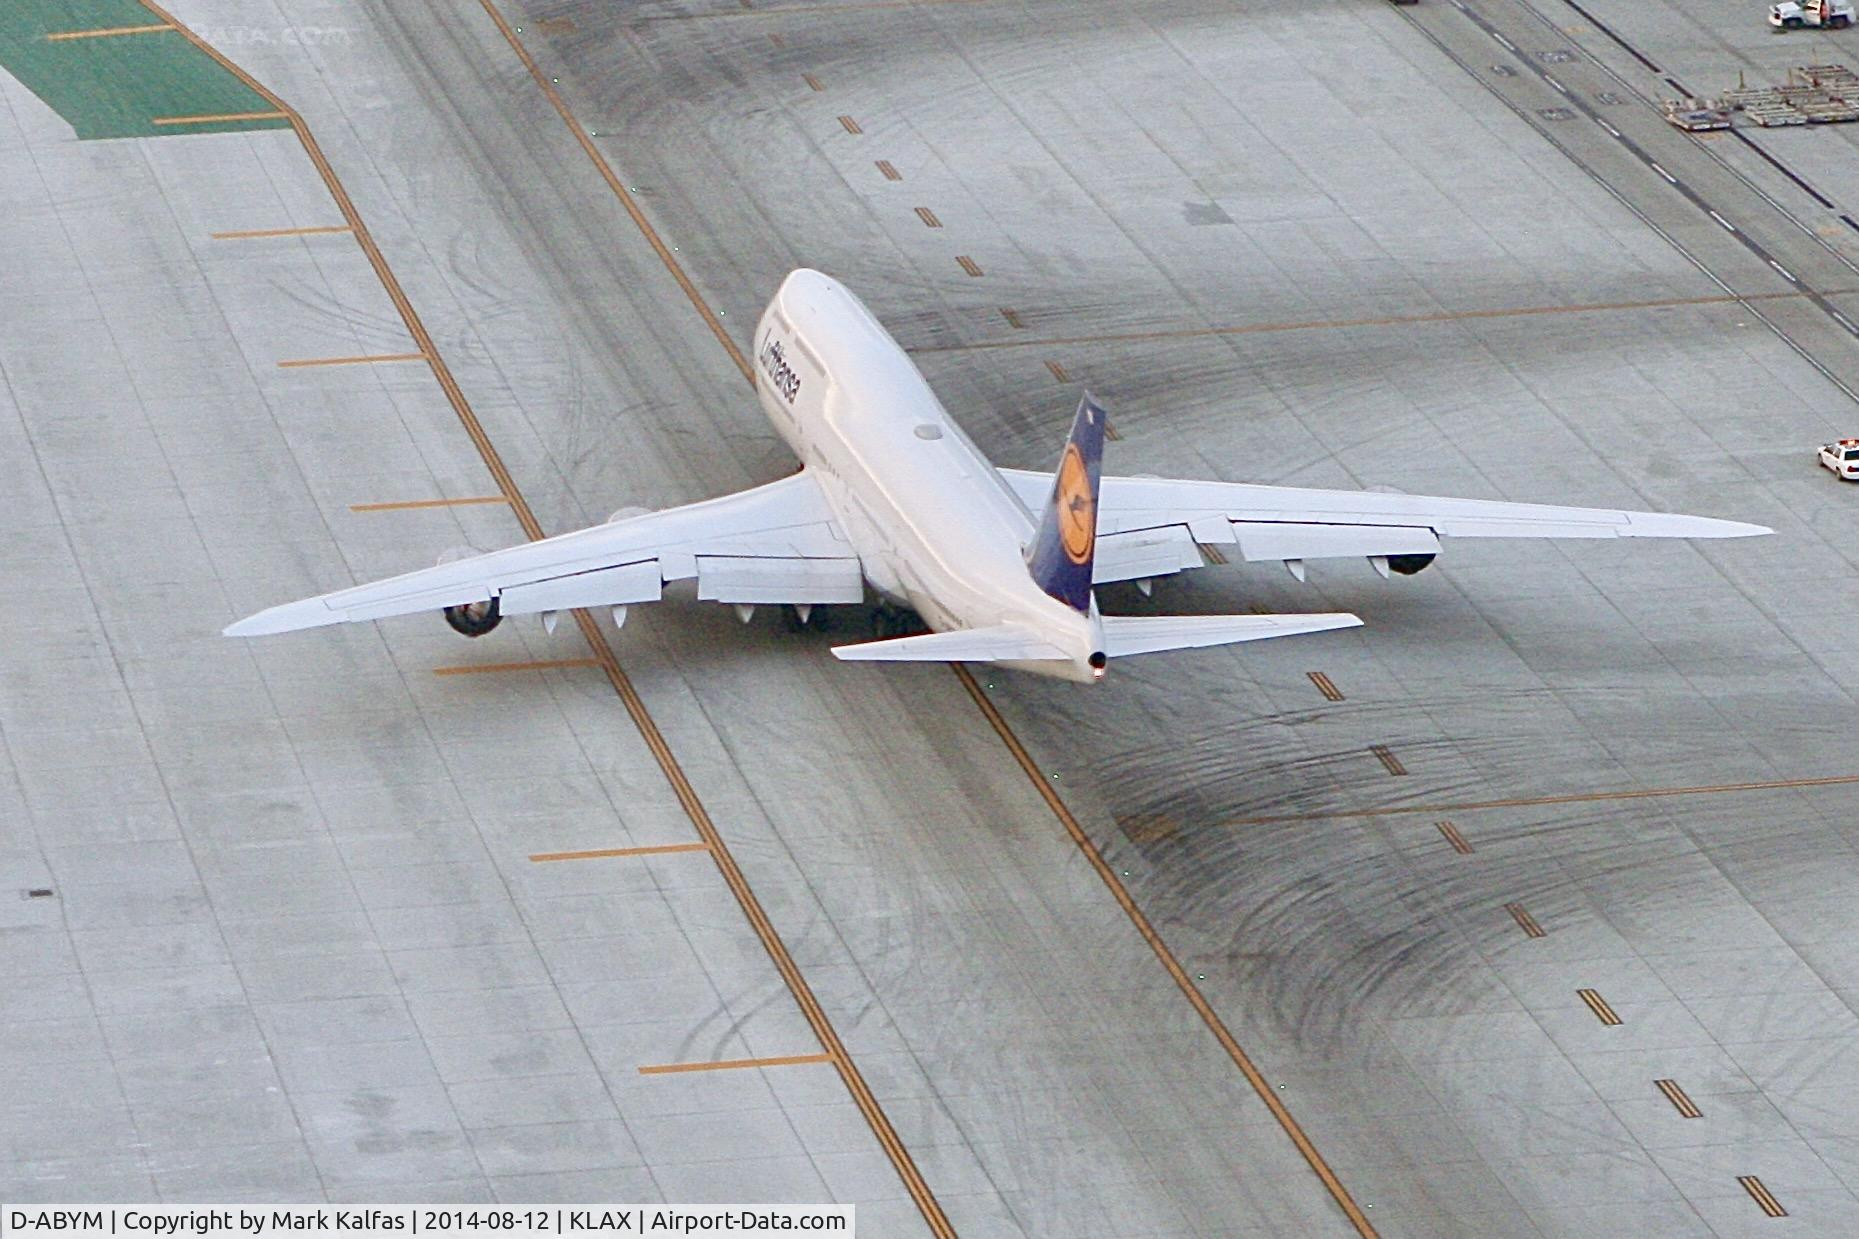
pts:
[1266, 540]
[785, 527]
[604, 587]
[1146, 553]
[739, 578]
[997, 643]
[1150, 634]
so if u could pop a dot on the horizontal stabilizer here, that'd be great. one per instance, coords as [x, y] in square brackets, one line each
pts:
[999, 643]
[1149, 634]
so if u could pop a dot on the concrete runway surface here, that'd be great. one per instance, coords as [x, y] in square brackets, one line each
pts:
[1531, 908]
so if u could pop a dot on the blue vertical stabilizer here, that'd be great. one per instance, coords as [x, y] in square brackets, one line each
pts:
[1066, 543]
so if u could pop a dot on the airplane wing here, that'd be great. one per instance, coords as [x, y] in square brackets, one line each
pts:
[774, 543]
[1148, 527]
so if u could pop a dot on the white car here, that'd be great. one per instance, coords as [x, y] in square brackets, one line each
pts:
[1842, 458]
[1833, 14]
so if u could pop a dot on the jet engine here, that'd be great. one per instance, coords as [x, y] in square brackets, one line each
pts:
[474, 619]
[1407, 565]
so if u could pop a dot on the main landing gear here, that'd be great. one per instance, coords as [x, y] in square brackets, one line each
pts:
[804, 618]
[893, 621]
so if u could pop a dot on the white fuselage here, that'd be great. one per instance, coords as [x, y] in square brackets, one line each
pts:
[933, 523]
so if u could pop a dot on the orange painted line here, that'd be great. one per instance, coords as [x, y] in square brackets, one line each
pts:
[319, 230]
[220, 119]
[968, 264]
[1524, 802]
[1398, 320]
[406, 505]
[1058, 372]
[663, 849]
[735, 1064]
[542, 664]
[890, 170]
[349, 361]
[1459, 842]
[849, 125]
[65, 36]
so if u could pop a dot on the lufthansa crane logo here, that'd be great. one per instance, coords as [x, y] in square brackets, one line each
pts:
[1077, 509]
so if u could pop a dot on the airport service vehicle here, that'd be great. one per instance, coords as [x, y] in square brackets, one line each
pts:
[1833, 14]
[1000, 563]
[1842, 458]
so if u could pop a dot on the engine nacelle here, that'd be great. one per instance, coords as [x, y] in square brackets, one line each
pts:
[1407, 565]
[474, 619]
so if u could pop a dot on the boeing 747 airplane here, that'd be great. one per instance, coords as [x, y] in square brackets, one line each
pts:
[1000, 563]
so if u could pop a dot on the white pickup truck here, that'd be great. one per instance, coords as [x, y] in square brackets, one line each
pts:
[1832, 14]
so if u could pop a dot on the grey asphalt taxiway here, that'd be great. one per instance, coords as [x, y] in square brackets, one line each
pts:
[1531, 908]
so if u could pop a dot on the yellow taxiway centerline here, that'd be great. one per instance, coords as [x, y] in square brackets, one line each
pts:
[408, 505]
[248, 234]
[219, 119]
[663, 849]
[66, 36]
[735, 1064]
[1525, 802]
[544, 664]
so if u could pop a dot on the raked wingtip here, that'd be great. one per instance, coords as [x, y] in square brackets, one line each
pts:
[250, 626]
[1674, 525]
[289, 617]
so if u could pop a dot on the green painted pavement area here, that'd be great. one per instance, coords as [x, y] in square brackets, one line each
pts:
[117, 86]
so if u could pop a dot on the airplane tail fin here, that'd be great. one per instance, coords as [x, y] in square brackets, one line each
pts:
[1065, 544]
